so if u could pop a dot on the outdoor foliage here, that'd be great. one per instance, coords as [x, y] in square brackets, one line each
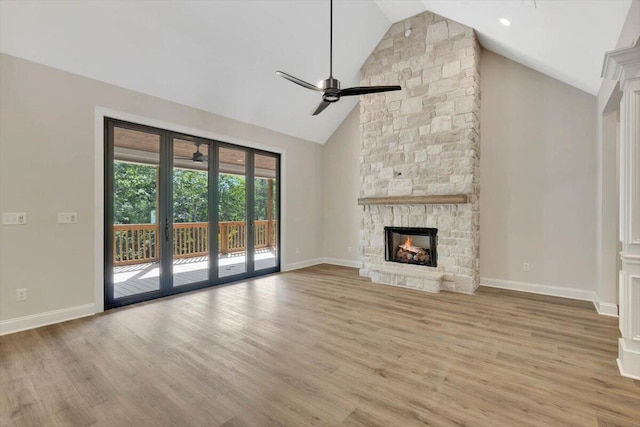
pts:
[135, 195]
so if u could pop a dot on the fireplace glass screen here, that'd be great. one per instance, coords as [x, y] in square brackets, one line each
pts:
[411, 245]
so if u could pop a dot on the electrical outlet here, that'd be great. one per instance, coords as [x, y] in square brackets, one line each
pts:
[67, 217]
[525, 266]
[18, 218]
[349, 249]
[297, 250]
[21, 294]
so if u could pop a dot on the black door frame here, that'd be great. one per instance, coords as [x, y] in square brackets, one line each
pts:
[165, 213]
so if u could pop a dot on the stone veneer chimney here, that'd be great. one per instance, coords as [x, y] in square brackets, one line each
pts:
[423, 141]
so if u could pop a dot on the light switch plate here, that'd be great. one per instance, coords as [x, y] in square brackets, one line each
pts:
[14, 218]
[67, 217]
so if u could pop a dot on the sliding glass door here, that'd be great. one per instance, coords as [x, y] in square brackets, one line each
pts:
[233, 231]
[265, 212]
[173, 200]
[190, 211]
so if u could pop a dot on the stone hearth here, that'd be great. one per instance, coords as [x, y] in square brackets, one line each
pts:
[420, 142]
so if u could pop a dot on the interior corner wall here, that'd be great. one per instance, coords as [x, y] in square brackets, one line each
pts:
[47, 139]
[341, 183]
[537, 179]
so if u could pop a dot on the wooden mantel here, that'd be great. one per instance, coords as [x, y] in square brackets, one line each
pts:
[449, 199]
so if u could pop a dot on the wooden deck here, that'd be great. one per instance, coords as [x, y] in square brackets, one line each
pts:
[141, 278]
[322, 347]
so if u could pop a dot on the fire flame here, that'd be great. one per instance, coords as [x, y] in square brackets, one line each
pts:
[408, 242]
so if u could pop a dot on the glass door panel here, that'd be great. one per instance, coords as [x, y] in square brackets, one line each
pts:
[135, 232]
[190, 188]
[265, 211]
[232, 212]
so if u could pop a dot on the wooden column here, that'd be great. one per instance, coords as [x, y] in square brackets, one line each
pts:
[624, 65]
[224, 238]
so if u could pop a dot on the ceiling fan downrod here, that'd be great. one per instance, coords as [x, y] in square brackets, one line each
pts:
[330, 87]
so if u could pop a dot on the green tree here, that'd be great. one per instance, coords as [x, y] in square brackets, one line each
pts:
[261, 197]
[232, 200]
[134, 193]
[190, 195]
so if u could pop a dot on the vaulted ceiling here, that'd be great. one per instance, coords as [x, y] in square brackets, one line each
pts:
[220, 56]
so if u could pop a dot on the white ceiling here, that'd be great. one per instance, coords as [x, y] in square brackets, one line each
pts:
[220, 56]
[565, 39]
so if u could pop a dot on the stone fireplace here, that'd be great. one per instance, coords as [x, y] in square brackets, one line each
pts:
[420, 148]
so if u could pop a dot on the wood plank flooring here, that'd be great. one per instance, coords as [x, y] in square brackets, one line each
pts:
[322, 347]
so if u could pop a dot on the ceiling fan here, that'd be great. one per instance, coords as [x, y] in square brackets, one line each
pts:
[197, 156]
[330, 87]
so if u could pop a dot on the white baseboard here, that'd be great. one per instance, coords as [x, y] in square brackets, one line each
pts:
[316, 261]
[555, 291]
[628, 361]
[342, 262]
[302, 264]
[605, 308]
[43, 319]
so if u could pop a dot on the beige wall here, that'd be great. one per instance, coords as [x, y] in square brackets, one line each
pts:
[341, 185]
[538, 176]
[47, 166]
[537, 180]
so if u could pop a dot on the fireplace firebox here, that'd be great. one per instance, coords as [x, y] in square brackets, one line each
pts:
[411, 245]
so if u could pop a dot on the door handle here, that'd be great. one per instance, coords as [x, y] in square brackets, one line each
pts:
[166, 229]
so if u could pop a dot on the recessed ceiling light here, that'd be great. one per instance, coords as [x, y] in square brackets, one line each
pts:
[505, 22]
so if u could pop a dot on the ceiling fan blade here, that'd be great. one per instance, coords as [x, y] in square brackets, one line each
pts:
[321, 107]
[352, 91]
[297, 81]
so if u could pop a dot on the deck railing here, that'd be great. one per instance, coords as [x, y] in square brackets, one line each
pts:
[137, 243]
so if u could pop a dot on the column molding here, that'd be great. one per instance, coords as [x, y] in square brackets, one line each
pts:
[624, 65]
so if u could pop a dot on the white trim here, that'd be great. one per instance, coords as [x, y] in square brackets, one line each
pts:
[43, 319]
[628, 361]
[342, 262]
[556, 291]
[605, 308]
[98, 207]
[100, 114]
[302, 264]
[620, 61]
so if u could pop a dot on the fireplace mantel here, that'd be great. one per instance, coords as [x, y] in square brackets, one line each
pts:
[450, 199]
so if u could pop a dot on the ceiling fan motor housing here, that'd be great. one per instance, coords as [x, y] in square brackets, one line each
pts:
[331, 89]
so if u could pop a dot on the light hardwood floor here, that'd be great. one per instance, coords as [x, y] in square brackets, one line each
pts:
[322, 347]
